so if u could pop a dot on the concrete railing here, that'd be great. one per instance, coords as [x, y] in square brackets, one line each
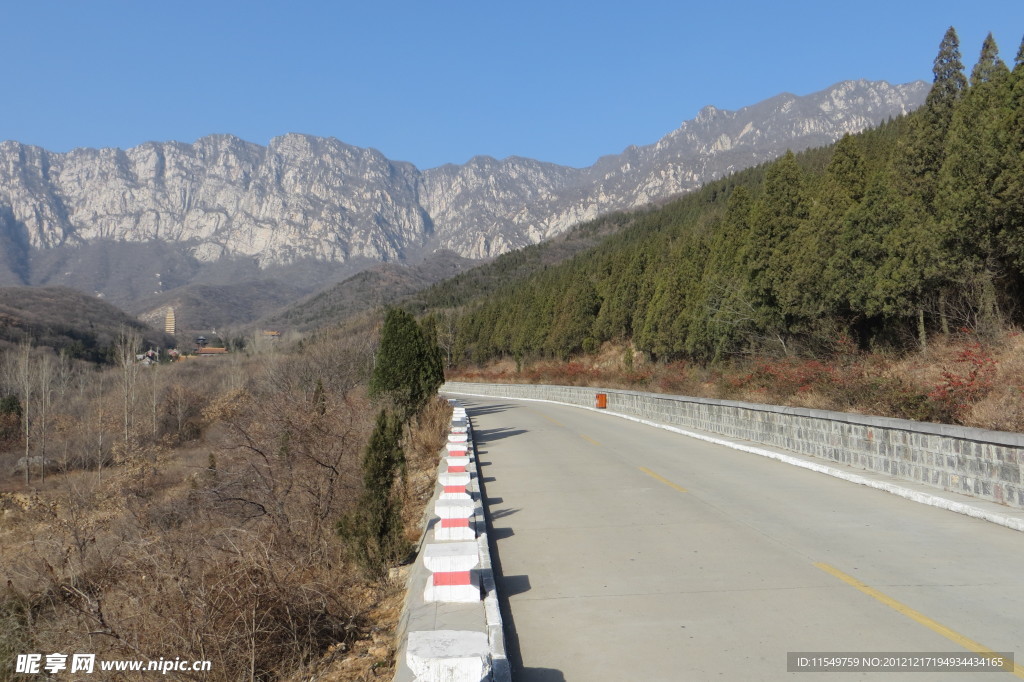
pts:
[976, 462]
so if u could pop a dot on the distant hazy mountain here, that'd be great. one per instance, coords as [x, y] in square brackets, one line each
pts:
[136, 224]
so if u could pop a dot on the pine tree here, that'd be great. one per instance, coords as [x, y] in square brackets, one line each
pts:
[777, 216]
[372, 531]
[408, 368]
[927, 148]
[725, 295]
[574, 317]
[1009, 186]
[969, 200]
[966, 201]
[815, 286]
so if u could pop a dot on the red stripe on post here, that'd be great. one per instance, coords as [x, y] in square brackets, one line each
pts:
[457, 470]
[455, 488]
[455, 523]
[453, 578]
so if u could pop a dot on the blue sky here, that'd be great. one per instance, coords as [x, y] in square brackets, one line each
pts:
[437, 82]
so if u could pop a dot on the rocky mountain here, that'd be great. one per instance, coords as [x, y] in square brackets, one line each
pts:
[139, 222]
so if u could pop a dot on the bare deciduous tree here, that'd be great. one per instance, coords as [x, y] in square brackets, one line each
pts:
[125, 351]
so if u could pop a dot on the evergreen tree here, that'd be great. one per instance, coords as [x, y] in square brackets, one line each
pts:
[815, 286]
[1009, 186]
[927, 148]
[974, 156]
[888, 232]
[969, 210]
[408, 368]
[776, 218]
[574, 317]
[862, 250]
[614, 319]
[432, 373]
[372, 531]
[724, 294]
[989, 66]
[948, 71]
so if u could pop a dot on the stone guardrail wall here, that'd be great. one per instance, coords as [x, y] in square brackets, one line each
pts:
[976, 462]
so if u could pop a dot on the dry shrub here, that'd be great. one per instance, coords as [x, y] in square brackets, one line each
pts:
[1003, 407]
[960, 379]
[422, 444]
[225, 552]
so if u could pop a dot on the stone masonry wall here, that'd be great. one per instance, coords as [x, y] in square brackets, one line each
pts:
[983, 464]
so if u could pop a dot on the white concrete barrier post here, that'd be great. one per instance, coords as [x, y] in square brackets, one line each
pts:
[458, 449]
[457, 465]
[448, 656]
[453, 519]
[454, 484]
[453, 578]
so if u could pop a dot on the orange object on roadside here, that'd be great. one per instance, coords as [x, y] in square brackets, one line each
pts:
[602, 400]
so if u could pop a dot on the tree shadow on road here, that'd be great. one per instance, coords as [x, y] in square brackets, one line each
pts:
[538, 675]
[489, 435]
[485, 409]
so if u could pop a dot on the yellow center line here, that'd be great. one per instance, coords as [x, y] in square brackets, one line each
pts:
[590, 440]
[556, 423]
[952, 635]
[664, 480]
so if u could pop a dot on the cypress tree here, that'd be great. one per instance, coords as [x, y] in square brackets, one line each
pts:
[989, 66]
[408, 368]
[666, 328]
[776, 218]
[372, 531]
[574, 317]
[974, 153]
[1009, 186]
[816, 284]
[948, 71]
[725, 291]
[927, 148]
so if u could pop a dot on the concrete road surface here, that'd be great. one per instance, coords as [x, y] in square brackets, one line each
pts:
[629, 553]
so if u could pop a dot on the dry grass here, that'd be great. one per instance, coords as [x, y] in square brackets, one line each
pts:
[957, 379]
[216, 541]
[371, 656]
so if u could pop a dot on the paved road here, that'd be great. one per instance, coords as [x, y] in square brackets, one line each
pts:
[629, 553]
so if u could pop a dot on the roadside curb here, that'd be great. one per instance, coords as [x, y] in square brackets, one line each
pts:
[449, 631]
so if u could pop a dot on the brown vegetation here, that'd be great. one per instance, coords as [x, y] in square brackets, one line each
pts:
[958, 379]
[190, 510]
[82, 326]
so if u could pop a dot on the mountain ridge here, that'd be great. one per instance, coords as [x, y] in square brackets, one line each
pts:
[302, 197]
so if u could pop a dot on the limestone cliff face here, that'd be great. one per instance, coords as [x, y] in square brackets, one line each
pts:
[298, 197]
[304, 197]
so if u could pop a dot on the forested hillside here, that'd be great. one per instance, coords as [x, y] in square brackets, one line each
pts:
[84, 327]
[884, 240]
